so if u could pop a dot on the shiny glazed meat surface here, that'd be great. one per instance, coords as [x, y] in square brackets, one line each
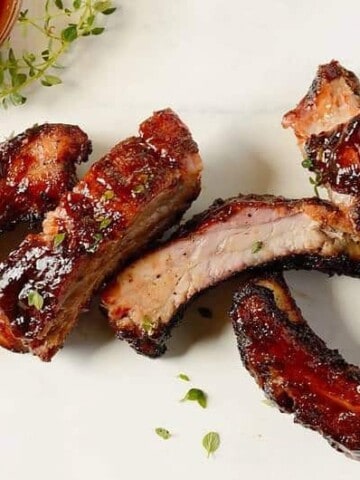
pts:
[125, 200]
[293, 365]
[36, 168]
[326, 123]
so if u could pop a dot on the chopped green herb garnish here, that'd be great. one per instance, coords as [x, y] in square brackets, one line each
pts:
[184, 377]
[163, 433]
[138, 189]
[35, 300]
[257, 246]
[92, 248]
[307, 163]
[196, 395]
[58, 239]
[148, 325]
[104, 222]
[205, 312]
[211, 442]
[108, 195]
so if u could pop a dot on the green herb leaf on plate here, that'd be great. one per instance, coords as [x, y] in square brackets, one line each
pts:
[184, 377]
[163, 433]
[196, 395]
[211, 442]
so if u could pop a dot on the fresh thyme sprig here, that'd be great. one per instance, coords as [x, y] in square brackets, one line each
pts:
[62, 23]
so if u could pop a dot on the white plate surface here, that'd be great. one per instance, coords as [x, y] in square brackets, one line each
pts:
[230, 69]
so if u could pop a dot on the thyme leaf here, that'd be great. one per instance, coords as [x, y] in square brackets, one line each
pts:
[163, 433]
[35, 299]
[196, 395]
[211, 442]
[257, 246]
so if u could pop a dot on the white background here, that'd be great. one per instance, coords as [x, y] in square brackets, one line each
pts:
[230, 69]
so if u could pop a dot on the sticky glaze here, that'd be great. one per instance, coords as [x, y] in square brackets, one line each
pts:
[36, 168]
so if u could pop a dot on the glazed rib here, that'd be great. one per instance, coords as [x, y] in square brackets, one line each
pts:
[327, 125]
[147, 298]
[36, 168]
[293, 365]
[126, 199]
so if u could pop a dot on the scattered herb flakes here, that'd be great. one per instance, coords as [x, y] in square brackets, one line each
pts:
[35, 299]
[138, 189]
[307, 163]
[108, 195]
[163, 433]
[148, 325]
[98, 238]
[183, 377]
[211, 442]
[104, 222]
[58, 239]
[196, 395]
[257, 246]
[205, 312]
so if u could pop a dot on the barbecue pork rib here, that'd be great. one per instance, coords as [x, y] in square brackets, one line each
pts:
[36, 168]
[294, 366]
[125, 200]
[327, 125]
[147, 298]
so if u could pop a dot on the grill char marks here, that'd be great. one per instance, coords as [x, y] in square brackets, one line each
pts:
[125, 200]
[147, 298]
[293, 366]
[36, 168]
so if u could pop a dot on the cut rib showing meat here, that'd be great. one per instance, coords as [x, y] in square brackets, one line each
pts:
[293, 365]
[146, 299]
[327, 125]
[333, 99]
[125, 200]
[36, 168]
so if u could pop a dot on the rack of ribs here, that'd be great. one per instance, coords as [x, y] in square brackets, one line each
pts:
[36, 168]
[294, 367]
[127, 199]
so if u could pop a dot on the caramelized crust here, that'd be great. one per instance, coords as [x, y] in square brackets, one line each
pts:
[148, 297]
[334, 157]
[333, 98]
[36, 168]
[126, 199]
[326, 124]
[293, 365]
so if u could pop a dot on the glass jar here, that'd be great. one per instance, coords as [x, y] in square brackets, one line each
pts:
[9, 11]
